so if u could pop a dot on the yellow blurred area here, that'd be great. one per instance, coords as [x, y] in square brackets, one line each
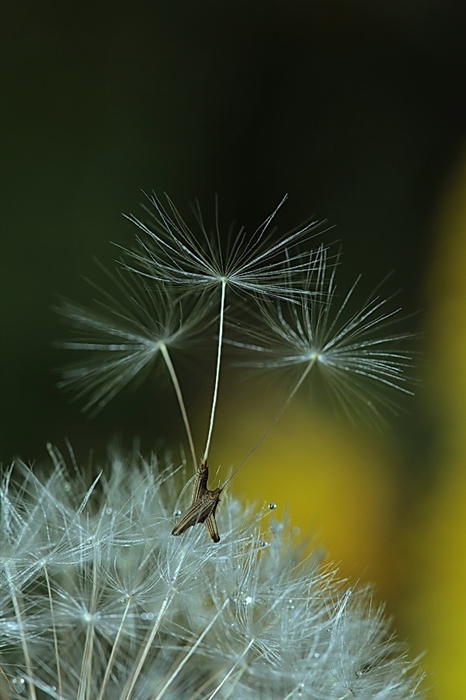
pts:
[344, 488]
[438, 613]
[337, 484]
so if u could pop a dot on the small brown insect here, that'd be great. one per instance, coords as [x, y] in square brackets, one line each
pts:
[203, 506]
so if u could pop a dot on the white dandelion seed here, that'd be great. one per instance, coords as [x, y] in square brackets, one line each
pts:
[249, 264]
[133, 327]
[353, 350]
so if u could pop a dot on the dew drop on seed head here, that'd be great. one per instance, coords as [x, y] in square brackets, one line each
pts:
[19, 684]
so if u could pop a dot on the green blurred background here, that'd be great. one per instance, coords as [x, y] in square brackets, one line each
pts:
[356, 109]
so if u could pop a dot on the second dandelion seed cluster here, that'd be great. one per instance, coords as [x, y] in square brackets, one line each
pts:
[102, 601]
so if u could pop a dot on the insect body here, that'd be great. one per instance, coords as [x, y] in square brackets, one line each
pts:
[203, 506]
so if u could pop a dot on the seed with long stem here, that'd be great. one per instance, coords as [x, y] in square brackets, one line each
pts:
[355, 355]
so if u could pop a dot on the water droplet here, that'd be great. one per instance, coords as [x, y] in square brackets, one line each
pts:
[272, 506]
[19, 684]
[147, 616]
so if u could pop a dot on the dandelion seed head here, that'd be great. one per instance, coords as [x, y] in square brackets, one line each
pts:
[232, 620]
[100, 600]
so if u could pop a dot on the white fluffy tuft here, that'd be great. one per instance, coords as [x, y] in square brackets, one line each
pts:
[100, 601]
